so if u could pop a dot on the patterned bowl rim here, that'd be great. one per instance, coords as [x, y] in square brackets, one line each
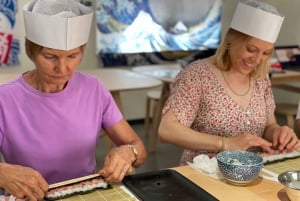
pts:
[220, 158]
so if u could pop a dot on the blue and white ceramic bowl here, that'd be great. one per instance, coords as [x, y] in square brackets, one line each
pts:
[239, 167]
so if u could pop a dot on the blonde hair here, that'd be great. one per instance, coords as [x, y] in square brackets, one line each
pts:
[223, 61]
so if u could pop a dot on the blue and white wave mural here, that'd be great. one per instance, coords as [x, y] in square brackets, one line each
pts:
[131, 27]
[9, 43]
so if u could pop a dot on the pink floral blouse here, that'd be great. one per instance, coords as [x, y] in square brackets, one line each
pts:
[200, 102]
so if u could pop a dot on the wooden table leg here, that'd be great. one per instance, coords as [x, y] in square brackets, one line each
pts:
[164, 96]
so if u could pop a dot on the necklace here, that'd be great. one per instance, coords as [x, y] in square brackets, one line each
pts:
[244, 94]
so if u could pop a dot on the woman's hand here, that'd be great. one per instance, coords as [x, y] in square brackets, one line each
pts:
[10, 198]
[246, 141]
[117, 164]
[22, 182]
[285, 139]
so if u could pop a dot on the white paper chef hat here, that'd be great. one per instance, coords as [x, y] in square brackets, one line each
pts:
[57, 24]
[257, 19]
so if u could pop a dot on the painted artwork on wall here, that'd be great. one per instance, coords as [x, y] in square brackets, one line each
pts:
[9, 43]
[131, 32]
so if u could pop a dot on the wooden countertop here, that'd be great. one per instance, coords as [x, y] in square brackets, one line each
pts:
[167, 73]
[287, 77]
[260, 190]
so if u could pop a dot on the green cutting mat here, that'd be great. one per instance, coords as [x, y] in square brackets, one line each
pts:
[116, 193]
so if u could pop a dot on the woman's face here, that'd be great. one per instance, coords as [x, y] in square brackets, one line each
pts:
[57, 66]
[247, 55]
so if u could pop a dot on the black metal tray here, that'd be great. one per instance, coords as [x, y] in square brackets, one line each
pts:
[165, 185]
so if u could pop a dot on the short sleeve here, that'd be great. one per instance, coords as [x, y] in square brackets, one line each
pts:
[111, 112]
[185, 95]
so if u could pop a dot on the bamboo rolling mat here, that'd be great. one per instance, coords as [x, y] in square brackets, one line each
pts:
[116, 193]
[283, 166]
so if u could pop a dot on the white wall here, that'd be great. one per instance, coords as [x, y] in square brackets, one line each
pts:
[134, 102]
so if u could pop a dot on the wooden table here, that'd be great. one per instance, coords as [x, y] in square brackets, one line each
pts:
[286, 77]
[285, 80]
[167, 72]
[119, 80]
[260, 190]
[163, 72]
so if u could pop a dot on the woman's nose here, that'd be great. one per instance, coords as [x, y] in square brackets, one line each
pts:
[257, 58]
[61, 66]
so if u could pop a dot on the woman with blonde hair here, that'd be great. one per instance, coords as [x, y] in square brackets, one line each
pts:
[225, 102]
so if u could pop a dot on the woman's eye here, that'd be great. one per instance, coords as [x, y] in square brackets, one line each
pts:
[268, 53]
[49, 56]
[72, 56]
[251, 50]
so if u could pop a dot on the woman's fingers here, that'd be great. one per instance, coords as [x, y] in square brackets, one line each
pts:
[287, 139]
[23, 182]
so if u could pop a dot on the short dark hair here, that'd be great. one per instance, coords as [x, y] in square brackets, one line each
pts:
[32, 48]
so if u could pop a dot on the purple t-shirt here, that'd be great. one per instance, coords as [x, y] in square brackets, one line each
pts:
[55, 133]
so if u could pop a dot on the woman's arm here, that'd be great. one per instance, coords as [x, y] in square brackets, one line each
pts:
[123, 134]
[271, 126]
[173, 132]
[130, 152]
